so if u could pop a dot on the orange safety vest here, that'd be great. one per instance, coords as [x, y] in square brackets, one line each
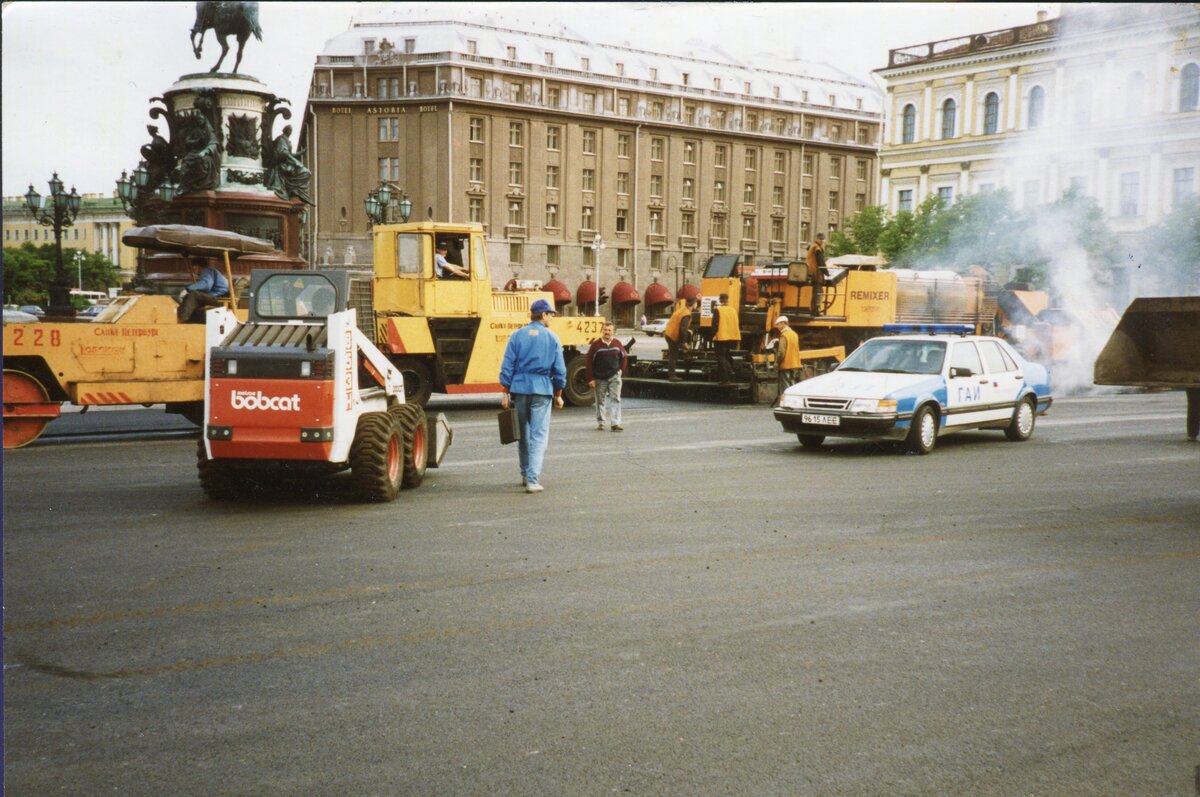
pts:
[672, 328]
[790, 342]
[727, 324]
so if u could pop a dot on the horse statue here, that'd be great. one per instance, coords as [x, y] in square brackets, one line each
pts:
[224, 18]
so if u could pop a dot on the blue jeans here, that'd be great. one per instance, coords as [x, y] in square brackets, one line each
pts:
[533, 414]
[608, 399]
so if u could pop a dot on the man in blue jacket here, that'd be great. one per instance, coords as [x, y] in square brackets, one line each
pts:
[533, 376]
[208, 291]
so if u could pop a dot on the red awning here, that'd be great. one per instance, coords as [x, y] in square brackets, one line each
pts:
[562, 294]
[688, 291]
[624, 293]
[657, 294]
[586, 293]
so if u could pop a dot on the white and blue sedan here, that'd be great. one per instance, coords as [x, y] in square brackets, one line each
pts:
[916, 385]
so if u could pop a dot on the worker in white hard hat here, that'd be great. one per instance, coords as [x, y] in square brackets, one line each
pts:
[787, 354]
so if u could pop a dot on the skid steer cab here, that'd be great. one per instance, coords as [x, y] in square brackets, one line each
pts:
[298, 390]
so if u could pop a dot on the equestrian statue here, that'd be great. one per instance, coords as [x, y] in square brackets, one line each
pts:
[225, 18]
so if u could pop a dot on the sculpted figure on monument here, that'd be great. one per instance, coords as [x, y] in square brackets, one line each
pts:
[285, 174]
[200, 165]
[159, 159]
[239, 19]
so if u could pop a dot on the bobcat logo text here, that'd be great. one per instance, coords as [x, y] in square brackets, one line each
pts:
[256, 400]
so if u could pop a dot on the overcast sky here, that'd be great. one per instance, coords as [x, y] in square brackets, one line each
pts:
[78, 77]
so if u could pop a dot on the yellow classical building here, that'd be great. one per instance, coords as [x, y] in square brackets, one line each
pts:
[1103, 100]
[97, 228]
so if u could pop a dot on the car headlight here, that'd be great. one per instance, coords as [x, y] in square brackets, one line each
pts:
[792, 402]
[873, 405]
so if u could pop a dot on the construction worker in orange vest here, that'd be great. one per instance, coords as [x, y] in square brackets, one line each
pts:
[787, 354]
[726, 335]
[815, 257]
[678, 333]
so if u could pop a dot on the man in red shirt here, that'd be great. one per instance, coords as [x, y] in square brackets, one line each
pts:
[606, 359]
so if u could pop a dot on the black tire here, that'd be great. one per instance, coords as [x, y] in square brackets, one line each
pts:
[418, 380]
[377, 457]
[410, 419]
[578, 392]
[1021, 426]
[216, 479]
[922, 437]
[811, 440]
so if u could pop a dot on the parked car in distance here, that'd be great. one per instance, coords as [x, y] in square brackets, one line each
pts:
[93, 311]
[915, 385]
[14, 316]
[655, 326]
[33, 309]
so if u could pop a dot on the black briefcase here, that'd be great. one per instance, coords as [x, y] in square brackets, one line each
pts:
[510, 428]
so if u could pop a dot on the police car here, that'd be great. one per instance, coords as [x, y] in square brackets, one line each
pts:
[916, 383]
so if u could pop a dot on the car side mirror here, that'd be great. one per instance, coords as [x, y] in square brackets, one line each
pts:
[956, 371]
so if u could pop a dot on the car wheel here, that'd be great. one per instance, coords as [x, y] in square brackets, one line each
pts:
[922, 435]
[811, 440]
[1021, 427]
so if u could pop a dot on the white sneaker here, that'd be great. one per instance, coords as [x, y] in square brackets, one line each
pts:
[534, 488]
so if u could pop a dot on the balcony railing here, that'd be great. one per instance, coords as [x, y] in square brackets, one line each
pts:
[979, 42]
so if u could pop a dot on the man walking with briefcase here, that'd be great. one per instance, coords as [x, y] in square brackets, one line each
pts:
[533, 376]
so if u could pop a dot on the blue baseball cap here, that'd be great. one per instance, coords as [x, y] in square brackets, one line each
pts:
[542, 306]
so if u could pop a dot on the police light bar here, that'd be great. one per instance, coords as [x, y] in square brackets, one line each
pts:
[928, 329]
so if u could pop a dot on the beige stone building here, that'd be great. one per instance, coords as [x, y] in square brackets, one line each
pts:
[1102, 99]
[97, 228]
[550, 140]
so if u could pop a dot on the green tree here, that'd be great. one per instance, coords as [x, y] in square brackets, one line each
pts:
[29, 270]
[862, 233]
[1171, 250]
[896, 237]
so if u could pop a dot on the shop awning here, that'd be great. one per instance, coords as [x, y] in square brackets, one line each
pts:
[688, 291]
[624, 293]
[586, 293]
[562, 294]
[657, 294]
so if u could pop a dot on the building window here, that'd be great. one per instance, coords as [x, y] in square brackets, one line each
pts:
[389, 128]
[752, 122]
[476, 87]
[656, 222]
[589, 142]
[687, 224]
[552, 216]
[835, 132]
[864, 135]
[589, 102]
[835, 168]
[751, 160]
[586, 219]
[1037, 106]
[516, 134]
[719, 154]
[904, 201]
[833, 200]
[476, 130]
[554, 97]
[623, 145]
[656, 186]
[514, 92]
[1083, 102]
[622, 182]
[778, 125]
[553, 137]
[945, 194]
[585, 64]
[475, 171]
[1031, 191]
[719, 119]
[689, 152]
[516, 215]
[589, 257]
[656, 109]
[553, 258]
[810, 128]
[686, 78]
[472, 47]
[623, 258]
[805, 231]
[689, 188]
[389, 169]
[551, 176]
[475, 209]
[777, 196]
[1129, 189]
[382, 89]
[908, 124]
[808, 163]
[516, 253]
[620, 69]
[656, 149]
[717, 83]
[549, 58]
[748, 194]
[991, 113]
[1184, 184]
[860, 201]
[511, 52]
[515, 176]
[860, 169]
[719, 191]
[719, 228]
[949, 116]
[622, 220]
[589, 180]
[776, 229]
[653, 73]
[748, 228]
[689, 114]
[1189, 88]
[780, 161]
[806, 198]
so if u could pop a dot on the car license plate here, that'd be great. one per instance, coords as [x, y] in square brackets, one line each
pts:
[820, 420]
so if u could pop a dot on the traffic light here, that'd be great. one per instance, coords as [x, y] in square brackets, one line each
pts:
[603, 295]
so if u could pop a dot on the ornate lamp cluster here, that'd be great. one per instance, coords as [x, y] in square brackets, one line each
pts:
[133, 193]
[58, 210]
[378, 205]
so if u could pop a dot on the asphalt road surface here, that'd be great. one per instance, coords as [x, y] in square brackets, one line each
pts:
[696, 606]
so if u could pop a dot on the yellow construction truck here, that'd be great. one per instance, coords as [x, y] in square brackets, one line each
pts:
[445, 334]
[851, 303]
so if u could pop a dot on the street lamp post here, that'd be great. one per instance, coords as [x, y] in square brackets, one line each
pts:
[57, 211]
[379, 204]
[79, 266]
[597, 248]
